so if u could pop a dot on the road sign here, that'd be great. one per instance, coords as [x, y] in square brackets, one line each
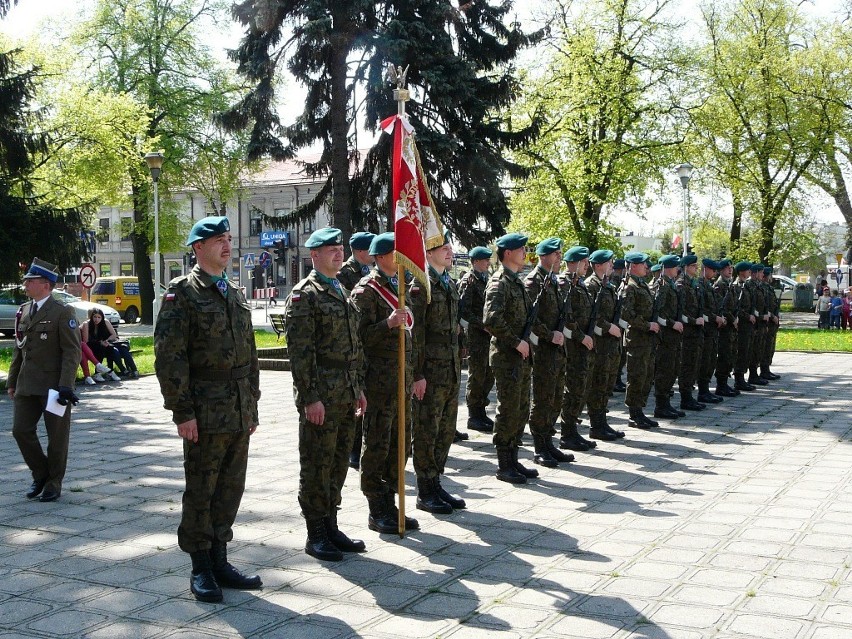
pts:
[269, 238]
[249, 260]
[88, 275]
[265, 259]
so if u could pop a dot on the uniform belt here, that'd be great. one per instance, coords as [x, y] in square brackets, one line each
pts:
[338, 364]
[208, 375]
[440, 338]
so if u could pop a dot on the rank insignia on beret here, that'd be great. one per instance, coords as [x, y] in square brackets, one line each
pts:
[72, 323]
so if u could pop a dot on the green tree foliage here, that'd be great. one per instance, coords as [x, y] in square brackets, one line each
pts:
[32, 224]
[460, 75]
[610, 118]
[762, 121]
[154, 52]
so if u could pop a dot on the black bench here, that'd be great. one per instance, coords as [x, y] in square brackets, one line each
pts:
[277, 321]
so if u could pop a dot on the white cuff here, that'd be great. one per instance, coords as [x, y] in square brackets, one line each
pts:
[598, 330]
[464, 323]
[567, 333]
[623, 324]
[533, 339]
[661, 321]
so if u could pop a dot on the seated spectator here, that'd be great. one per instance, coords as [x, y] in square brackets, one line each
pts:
[86, 357]
[836, 310]
[104, 343]
[846, 310]
[823, 308]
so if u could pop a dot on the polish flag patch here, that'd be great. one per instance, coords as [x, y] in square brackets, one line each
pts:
[169, 297]
[295, 297]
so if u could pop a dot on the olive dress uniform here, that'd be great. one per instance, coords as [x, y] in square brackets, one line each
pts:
[46, 356]
[480, 377]
[638, 311]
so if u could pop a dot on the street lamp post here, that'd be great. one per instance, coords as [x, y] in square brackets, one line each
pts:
[155, 165]
[684, 172]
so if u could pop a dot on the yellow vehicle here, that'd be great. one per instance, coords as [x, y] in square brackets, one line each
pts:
[122, 293]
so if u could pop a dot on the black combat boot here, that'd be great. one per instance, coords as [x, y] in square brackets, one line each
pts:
[506, 467]
[687, 402]
[226, 575]
[706, 397]
[380, 519]
[663, 408]
[604, 425]
[755, 379]
[390, 502]
[557, 454]
[741, 384]
[460, 437]
[339, 538]
[767, 374]
[478, 420]
[571, 439]
[456, 502]
[638, 419]
[619, 386]
[429, 501]
[202, 583]
[589, 442]
[599, 429]
[529, 473]
[318, 544]
[723, 389]
[542, 455]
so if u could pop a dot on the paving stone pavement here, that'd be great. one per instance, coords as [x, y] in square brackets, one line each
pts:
[734, 522]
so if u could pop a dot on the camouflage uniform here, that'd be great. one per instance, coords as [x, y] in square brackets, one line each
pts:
[379, 472]
[617, 280]
[637, 310]
[773, 307]
[206, 363]
[506, 307]
[351, 273]
[437, 360]
[327, 363]
[607, 347]
[728, 333]
[709, 354]
[667, 361]
[480, 377]
[548, 359]
[693, 334]
[760, 326]
[579, 360]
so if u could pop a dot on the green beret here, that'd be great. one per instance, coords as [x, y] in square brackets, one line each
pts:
[757, 267]
[361, 240]
[576, 253]
[325, 237]
[686, 260]
[382, 244]
[767, 270]
[208, 227]
[669, 261]
[618, 264]
[511, 241]
[635, 257]
[739, 267]
[548, 246]
[480, 253]
[724, 263]
[708, 263]
[656, 268]
[601, 256]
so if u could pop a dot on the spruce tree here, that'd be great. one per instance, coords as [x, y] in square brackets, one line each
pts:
[461, 78]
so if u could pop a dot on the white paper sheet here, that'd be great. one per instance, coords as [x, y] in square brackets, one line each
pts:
[53, 404]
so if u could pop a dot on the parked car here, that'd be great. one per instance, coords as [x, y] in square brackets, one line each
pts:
[12, 297]
[783, 287]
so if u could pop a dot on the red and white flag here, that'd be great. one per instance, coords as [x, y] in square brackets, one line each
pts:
[417, 227]
[676, 241]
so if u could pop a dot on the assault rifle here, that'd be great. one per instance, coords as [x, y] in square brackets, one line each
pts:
[564, 309]
[592, 329]
[527, 335]
[616, 315]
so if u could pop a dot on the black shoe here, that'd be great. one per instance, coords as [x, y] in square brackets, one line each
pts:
[664, 412]
[429, 501]
[202, 583]
[638, 419]
[756, 380]
[339, 538]
[50, 494]
[770, 375]
[478, 420]
[226, 575]
[410, 522]
[571, 439]
[741, 384]
[318, 544]
[723, 390]
[602, 434]
[542, 455]
[529, 473]
[619, 386]
[706, 397]
[382, 523]
[487, 419]
[506, 468]
[460, 437]
[36, 487]
[456, 502]
[618, 434]
[688, 403]
[354, 461]
[557, 454]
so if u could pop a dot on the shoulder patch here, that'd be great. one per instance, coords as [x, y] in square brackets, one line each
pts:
[296, 296]
[72, 323]
[169, 296]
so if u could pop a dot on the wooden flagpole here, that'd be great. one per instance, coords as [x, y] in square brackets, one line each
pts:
[401, 95]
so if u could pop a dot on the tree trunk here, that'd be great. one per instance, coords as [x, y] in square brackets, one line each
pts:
[141, 259]
[339, 130]
[737, 223]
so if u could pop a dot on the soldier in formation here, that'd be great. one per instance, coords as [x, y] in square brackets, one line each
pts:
[327, 362]
[669, 315]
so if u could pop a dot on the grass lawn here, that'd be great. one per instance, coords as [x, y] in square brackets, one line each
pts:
[813, 339]
[145, 359]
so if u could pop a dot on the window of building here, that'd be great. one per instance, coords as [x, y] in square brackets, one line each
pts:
[125, 268]
[126, 229]
[103, 230]
[255, 221]
[105, 269]
[308, 225]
